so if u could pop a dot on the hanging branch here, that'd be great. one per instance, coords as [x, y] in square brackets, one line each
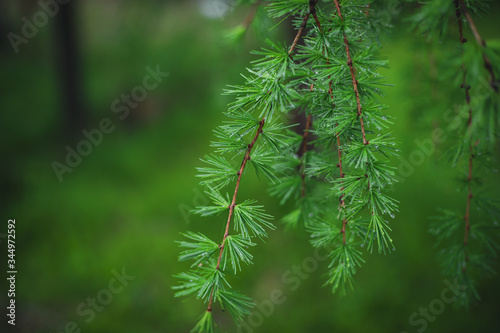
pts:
[459, 259]
[267, 89]
[479, 40]
[339, 149]
[336, 123]
[339, 152]
[305, 135]
[312, 10]
[353, 76]
[233, 203]
[304, 144]
[466, 88]
[312, 4]
[276, 84]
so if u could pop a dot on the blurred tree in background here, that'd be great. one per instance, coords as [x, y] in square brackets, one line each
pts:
[95, 245]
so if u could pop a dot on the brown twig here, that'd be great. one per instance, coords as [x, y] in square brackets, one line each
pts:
[305, 139]
[304, 150]
[353, 76]
[312, 10]
[233, 202]
[339, 149]
[342, 201]
[459, 4]
[469, 123]
[251, 14]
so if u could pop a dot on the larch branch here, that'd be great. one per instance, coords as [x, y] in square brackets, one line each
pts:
[233, 202]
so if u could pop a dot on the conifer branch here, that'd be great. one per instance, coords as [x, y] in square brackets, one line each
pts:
[353, 76]
[233, 203]
[251, 14]
[339, 152]
[305, 137]
[479, 40]
[466, 88]
[312, 10]
[316, 19]
[277, 83]
[339, 149]
[460, 260]
[312, 4]
[342, 201]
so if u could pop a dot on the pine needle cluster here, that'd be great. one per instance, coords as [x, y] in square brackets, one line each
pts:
[468, 237]
[337, 171]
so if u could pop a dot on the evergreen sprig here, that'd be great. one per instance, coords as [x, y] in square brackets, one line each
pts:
[337, 171]
[468, 237]
[339, 91]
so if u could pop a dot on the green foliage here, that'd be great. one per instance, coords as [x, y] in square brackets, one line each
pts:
[336, 172]
[468, 236]
[236, 304]
[345, 259]
[236, 251]
[330, 98]
[251, 219]
[333, 79]
[206, 324]
[200, 248]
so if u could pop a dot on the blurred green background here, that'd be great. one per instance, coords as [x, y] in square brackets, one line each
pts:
[125, 204]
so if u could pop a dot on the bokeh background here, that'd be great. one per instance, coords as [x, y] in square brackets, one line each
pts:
[125, 204]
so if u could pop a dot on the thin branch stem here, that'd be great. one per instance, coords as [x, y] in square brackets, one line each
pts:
[251, 14]
[466, 88]
[342, 201]
[299, 33]
[316, 19]
[233, 202]
[339, 149]
[353, 76]
[304, 150]
[305, 138]
[312, 10]
[487, 63]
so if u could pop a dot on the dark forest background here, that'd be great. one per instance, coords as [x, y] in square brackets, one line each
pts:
[122, 206]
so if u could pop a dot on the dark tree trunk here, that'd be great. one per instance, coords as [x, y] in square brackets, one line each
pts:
[69, 64]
